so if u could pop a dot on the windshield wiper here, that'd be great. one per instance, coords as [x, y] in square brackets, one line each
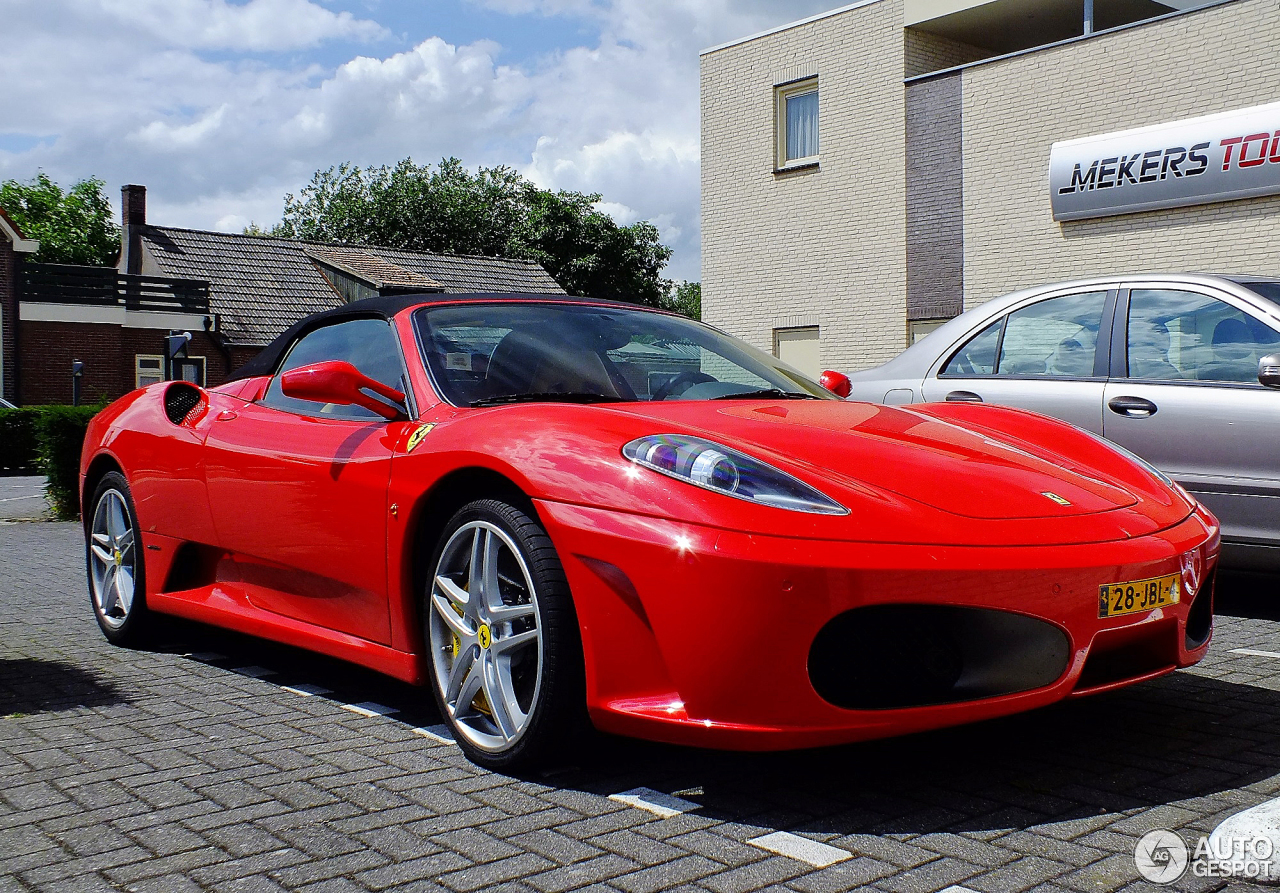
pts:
[768, 394]
[545, 398]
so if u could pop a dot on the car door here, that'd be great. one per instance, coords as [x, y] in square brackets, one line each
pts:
[298, 490]
[1044, 355]
[1185, 396]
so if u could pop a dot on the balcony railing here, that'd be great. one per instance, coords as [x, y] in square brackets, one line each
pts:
[106, 287]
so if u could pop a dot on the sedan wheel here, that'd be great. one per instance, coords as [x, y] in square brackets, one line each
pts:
[114, 562]
[505, 654]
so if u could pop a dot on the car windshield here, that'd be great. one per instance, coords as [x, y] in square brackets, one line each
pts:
[484, 354]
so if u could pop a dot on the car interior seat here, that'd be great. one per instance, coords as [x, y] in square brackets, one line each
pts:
[1233, 353]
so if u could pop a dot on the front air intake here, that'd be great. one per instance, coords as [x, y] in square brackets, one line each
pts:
[883, 657]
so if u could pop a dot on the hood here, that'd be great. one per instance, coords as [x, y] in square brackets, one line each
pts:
[895, 450]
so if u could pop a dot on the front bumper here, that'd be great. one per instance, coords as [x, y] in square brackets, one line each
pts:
[703, 636]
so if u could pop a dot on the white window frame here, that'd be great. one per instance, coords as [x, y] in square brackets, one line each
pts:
[199, 362]
[781, 94]
[138, 373]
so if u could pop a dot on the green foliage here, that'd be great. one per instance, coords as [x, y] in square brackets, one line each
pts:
[494, 212]
[18, 441]
[686, 298]
[60, 434]
[74, 227]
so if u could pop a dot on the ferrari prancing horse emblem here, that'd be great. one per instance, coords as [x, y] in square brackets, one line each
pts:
[1056, 498]
[416, 437]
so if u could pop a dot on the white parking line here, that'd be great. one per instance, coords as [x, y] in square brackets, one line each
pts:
[304, 690]
[819, 855]
[439, 733]
[956, 888]
[1254, 653]
[656, 802]
[369, 708]
[253, 672]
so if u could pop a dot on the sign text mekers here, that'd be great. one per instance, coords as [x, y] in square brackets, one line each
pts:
[1211, 159]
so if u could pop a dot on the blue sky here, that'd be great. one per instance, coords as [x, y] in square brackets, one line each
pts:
[220, 107]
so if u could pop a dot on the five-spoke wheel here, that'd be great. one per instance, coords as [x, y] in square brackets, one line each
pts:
[114, 562]
[502, 635]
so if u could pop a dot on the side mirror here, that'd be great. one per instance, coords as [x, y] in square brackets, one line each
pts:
[837, 383]
[337, 381]
[1269, 370]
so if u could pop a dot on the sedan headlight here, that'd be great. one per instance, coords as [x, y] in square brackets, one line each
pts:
[723, 470]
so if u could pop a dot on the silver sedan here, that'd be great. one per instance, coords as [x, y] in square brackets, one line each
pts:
[1183, 370]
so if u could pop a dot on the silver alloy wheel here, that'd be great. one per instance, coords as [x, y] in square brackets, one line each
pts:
[112, 559]
[486, 636]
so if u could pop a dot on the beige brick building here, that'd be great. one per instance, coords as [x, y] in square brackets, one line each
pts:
[916, 182]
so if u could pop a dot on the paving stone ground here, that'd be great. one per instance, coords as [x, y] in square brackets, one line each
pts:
[22, 498]
[168, 770]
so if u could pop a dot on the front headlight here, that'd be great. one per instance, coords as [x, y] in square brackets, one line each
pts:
[723, 470]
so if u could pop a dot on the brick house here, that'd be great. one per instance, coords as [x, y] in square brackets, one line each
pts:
[234, 293]
[14, 246]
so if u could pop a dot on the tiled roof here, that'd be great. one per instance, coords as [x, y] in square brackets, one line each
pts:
[261, 285]
[377, 271]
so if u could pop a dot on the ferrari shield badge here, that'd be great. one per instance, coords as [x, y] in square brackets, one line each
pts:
[417, 437]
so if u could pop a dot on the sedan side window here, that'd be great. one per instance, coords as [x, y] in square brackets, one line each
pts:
[1187, 336]
[978, 356]
[1057, 337]
[367, 344]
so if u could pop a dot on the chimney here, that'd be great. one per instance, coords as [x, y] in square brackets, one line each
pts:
[133, 216]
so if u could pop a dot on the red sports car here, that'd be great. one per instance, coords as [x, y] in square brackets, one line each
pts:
[552, 509]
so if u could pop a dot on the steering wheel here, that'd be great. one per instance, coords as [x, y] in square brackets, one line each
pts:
[683, 381]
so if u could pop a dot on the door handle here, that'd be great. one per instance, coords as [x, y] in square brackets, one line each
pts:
[963, 397]
[1133, 407]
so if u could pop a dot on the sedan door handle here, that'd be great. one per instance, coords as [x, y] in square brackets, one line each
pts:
[1133, 407]
[963, 397]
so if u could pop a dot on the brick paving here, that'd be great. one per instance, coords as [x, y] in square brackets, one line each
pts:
[168, 770]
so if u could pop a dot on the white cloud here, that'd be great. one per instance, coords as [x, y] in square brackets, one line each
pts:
[131, 91]
[257, 25]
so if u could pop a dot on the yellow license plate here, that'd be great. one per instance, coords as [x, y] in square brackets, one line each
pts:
[1115, 599]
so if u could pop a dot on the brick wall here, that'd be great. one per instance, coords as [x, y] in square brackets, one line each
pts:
[924, 52]
[1212, 60]
[9, 261]
[935, 198]
[829, 241]
[108, 352]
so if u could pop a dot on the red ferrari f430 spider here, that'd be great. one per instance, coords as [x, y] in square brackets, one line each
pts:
[549, 510]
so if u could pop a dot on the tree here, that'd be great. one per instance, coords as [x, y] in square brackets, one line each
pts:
[494, 212]
[74, 227]
[686, 298]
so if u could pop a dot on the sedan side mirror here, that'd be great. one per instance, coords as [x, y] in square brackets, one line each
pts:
[337, 381]
[1269, 370]
[837, 383]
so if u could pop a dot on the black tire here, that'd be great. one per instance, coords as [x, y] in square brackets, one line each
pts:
[129, 626]
[556, 721]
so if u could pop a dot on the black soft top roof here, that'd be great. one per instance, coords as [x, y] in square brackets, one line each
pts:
[269, 358]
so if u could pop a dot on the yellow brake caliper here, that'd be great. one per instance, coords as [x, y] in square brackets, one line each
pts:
[479, 703]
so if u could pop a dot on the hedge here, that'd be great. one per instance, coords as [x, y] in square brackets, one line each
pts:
[60, 434]
[47, 440]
